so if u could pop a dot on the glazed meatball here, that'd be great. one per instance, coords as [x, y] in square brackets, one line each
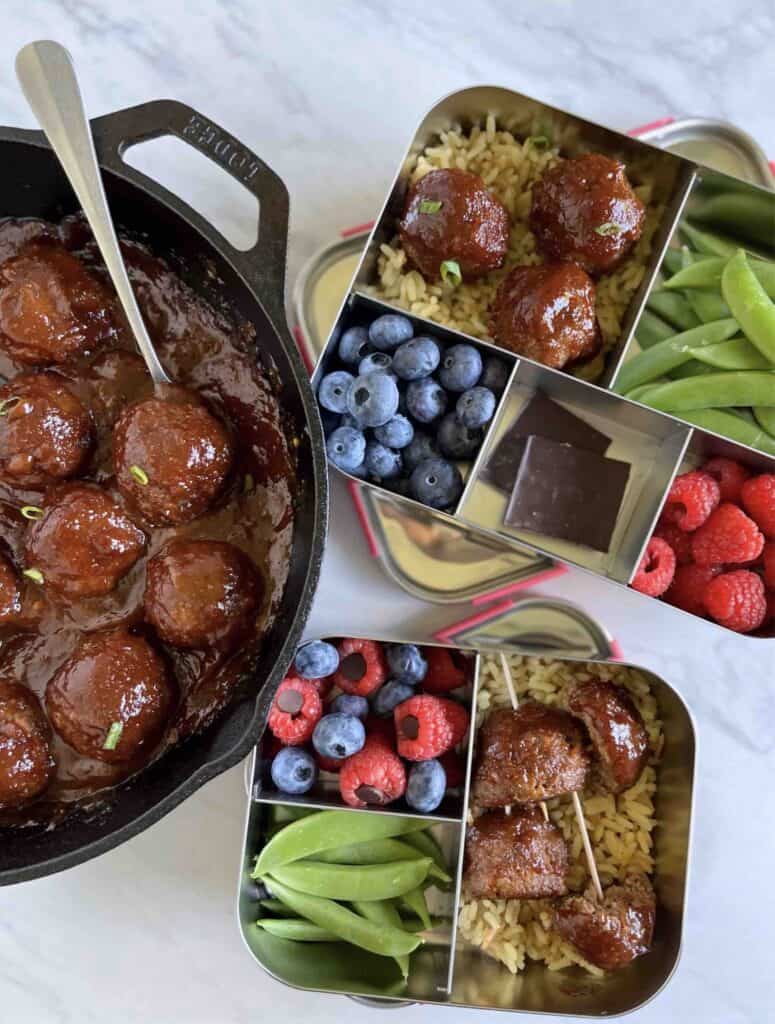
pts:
[171, 457]
[452, 215]
[84, 543]
[45, 432]
[116, 378]
[10, 592]
[517, 856]
[530, 754]
[547, 313]
[616, 729]
[26, 764]
[111, 699]
[202, 593]
[613, 933]
[51, 306]
[585, 211]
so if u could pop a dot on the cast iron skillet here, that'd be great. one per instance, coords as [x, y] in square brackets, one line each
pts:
[252, 283]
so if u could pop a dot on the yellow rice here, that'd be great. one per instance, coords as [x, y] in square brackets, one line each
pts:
[620, 826]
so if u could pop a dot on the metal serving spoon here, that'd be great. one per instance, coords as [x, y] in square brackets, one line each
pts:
[47, 77]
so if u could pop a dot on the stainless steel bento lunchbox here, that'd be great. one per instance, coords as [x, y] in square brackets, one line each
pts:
[453, 966]
[657, 444]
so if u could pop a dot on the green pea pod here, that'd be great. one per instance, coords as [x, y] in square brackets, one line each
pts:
[383, 912]
[425, 844]
[296, 928]
[707, 274]
[725, 423]
[353, 882]
[346, 924]
[751, 306]
[715, 391]
[637, 394]
[750, 214]
[707, 304]
[765, 417]
[325, 830]
[707, 242]
[694, 368]
[667, 355]
[379, 851]
[415, 900]
[674, 308]
[735, 354]
[652, 329]
[672, 261]
[276, 907]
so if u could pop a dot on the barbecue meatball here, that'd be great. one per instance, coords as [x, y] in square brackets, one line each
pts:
[116, 378]
[45, 432]
[171, 457]
[10, 592]
[51, 306]
[111, 698]
[200, 593]
[616, 728]
[84, 543]
[585, 211]
[451, 215]
[532, 753]
[26, 764]
[612, 934]
[517, 856]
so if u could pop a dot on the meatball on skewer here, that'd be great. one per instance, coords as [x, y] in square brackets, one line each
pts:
[26, 763]
[616, 729]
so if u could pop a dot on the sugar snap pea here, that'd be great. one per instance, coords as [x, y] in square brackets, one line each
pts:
[346, 924]
[415, 901]
[674, 308]
[379, 851]
[708, 242]
[383, 912]
[652, 329]
[725, 423]
[665, 356]
[715, 391]
[751, 306]
[750, 214]
[296, 928]
[707, 274]
[327, 829]
[276, 907]
[637, 394]
[428, 847]
[694, 368]
[735, 354]
[672, 261]
[765, 417]
[353, 882]
[708, 304]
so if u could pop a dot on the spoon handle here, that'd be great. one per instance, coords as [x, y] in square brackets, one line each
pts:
[47, 77]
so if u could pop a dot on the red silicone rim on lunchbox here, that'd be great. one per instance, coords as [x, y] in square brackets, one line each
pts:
[512, 588]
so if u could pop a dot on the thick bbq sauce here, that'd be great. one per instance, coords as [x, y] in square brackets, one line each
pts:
[209, 351]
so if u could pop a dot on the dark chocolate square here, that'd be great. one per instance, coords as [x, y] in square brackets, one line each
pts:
[568, 493]
[543, 418]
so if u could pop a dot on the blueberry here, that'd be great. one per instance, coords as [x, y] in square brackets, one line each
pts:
[396, 433]
[437, 483]
[372, 399]
[398, 485]
[316, 660]
[382, 462]
[338, 735]
[475, 407]
[346, 448]
[495, 375]
[332, 393]
[349, 704]
[354, 345]
[407, 664]
[417, 358]
[390, 696]
[461, 368]
[426, 400]
[425, 786]
[389, 331]
[360, 471]
[455, 440]
[294, 770]
[420, 448]
[375, 362]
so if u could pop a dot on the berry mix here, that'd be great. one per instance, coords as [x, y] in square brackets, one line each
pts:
[382, 716]
[404, 410]
[713, 550]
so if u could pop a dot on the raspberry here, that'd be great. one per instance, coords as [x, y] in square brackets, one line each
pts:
[381, 730]
[728, 536]
[656, 570]
[770, 609]
[323, 686]
[329, 764]
[375, 775]
[428, 726]
[691, 500]
[362, 667]
[454, 769]
[768, 561]
[730, 476]
[759, 502]
[296, 710]
[687, 590]
[445, 670]
[737, 600]
[678, 539]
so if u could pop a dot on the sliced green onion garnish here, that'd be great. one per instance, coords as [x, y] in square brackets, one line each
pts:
[430, 205]
[32, 511]
[538, 141]
[114, 735]
[248, 484]
[450, 272]
[609, 228]
[9, 403]
[139, 474]
[33, 574]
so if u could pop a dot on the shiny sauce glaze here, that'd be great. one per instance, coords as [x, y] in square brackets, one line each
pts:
[204, 349]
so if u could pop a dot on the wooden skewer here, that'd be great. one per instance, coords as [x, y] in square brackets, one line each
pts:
[578, 809]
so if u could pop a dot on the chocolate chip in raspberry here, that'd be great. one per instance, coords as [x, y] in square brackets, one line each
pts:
[370, 795]
[290, 701]
[353, 667]
[410, 727]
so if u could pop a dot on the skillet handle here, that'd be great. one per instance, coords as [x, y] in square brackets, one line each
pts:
[263, 265]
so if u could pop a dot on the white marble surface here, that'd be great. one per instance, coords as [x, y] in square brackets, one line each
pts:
[329, 94]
